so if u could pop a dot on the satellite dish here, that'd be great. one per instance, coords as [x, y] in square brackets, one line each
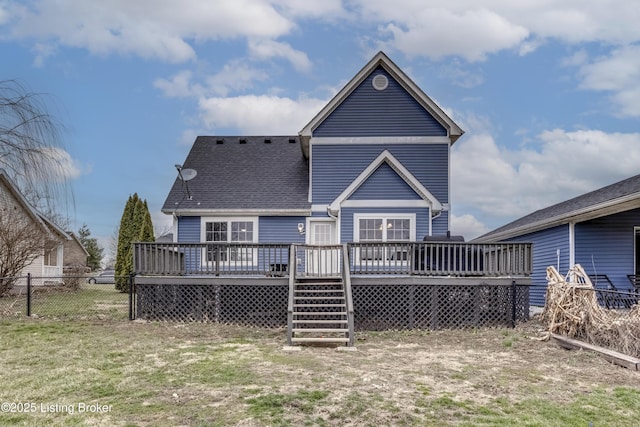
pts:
[188, 174]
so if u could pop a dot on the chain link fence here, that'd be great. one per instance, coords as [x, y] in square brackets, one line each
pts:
[64, 297]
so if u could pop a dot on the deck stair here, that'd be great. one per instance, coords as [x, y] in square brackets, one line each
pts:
[319, 313]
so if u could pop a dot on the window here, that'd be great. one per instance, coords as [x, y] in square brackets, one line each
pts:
[371, 228]
[230, 231]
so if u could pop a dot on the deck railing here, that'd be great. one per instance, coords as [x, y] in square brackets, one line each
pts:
[441, 259]
[273, 259]
[210, 258]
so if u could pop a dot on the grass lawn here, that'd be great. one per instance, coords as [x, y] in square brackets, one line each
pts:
[90, 372]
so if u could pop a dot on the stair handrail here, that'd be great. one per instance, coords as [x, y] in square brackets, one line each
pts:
[346, 278]
[292, 281]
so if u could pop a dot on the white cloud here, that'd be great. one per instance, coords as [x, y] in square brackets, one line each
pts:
[460, 76]
[188, 136]
[177, 86]
[170, 30]
[472, 34]
[501, 184]
[468, 226]
[4, 14]
[473, 30]
[619, 73]
[267, 49]
[235, 76]
[160, 29]
[325, 9]
[576, 21]
[60, 161]
[259, 114]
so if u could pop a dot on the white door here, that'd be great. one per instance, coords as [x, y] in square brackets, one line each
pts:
[323, 261]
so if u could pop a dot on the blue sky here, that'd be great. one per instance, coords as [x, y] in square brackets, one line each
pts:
[548, 92]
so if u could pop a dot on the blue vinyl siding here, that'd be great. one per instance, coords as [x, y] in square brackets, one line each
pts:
[334, 167]
[188, 229]
[385, 184]
[273, 229]
[347, 226]
[370, 112]
[606, 246]
[546, 243]
[439, 226]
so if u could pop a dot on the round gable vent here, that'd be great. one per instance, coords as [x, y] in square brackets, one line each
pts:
[380, 82]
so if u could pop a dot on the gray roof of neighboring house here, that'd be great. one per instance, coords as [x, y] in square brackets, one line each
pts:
[243, 173]
[618, 197]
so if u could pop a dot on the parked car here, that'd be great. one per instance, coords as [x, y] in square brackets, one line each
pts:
[106, 277]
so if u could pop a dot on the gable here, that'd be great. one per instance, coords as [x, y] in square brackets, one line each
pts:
[380, 63]
[12, 202]
[387, 158]
[371, 112]
[384, 183]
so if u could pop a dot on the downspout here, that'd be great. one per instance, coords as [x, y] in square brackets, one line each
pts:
[572, 250]
[572, 244]
[335, 218]
[330, 214]
[436, 216]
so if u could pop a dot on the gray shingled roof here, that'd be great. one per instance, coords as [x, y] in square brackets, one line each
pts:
[587, 204]
[243, 173]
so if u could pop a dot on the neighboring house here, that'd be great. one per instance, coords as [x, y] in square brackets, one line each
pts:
[371, 166]
[75, 254]
[165, 238]
[599, 230]
[14, 207]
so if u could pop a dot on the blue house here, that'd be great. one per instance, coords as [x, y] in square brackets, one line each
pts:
[371, 166]
[599, 230]
[341, 227]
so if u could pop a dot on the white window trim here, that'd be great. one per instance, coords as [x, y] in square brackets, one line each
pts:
[229, 220]
[384, 216]
[309, 220]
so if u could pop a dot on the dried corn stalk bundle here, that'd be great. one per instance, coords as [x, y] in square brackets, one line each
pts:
[571, 309]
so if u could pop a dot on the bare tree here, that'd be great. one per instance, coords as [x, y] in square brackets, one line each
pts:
[31, 149]
[22, 241]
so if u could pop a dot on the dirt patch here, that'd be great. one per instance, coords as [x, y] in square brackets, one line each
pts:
[165, 374]
[407, 377]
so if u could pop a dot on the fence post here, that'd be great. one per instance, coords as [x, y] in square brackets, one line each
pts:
[513, 303]
[28, 294]
[131, 310]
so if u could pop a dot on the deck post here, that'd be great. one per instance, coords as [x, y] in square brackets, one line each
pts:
[131, 286]
[292, 282]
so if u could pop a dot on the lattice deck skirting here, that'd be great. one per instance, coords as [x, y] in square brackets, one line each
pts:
[387, 305]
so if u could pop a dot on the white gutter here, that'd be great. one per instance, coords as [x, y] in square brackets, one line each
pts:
[621, 204]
